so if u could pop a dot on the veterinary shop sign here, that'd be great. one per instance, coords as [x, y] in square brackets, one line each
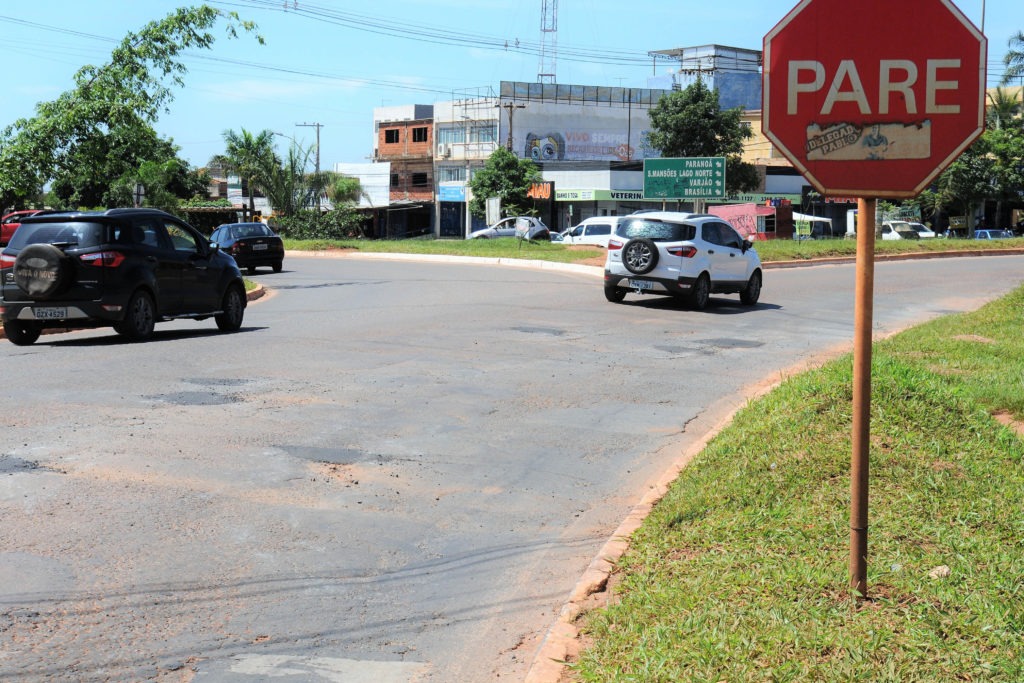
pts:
[864, 102]
[684, 178]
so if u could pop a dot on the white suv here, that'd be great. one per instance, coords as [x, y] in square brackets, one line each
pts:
[594, 231]
[680, 254]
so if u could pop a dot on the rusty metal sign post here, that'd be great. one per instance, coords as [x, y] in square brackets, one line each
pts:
[863, 313]
[876, 110]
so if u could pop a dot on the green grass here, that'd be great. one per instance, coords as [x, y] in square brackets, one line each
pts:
[741, 571]
[510, 247]
[792, 250]
[504, 247]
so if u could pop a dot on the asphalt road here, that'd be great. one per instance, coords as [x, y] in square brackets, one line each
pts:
[395, 471]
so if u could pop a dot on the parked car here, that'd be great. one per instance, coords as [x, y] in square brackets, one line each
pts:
[594, 231]
[123, 268]
[898, 230]
[680, 254]
[251, 245]
[992, 234]
[10, 223]
[922, 230]
[526, 227]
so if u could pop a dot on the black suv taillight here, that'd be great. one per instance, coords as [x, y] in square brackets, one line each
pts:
[102, 259]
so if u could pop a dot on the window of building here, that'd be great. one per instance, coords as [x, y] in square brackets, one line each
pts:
[483, 133]
[448, 136]
[419, 180]
[419, 134]
[451, 174]
[394, 180]
[391, 136]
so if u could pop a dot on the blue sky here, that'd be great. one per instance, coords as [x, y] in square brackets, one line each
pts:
[332, 61]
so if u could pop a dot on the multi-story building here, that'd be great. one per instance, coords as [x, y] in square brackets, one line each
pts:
[404, 138]
[588, 141]
[466, 132]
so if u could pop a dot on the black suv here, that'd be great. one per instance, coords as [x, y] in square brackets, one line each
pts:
[126, 268]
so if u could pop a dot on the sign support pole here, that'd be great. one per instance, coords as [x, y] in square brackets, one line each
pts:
[863, 311]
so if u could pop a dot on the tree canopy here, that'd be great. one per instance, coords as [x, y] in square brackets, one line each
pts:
[98, 131]
[505, 176]
[691, 123]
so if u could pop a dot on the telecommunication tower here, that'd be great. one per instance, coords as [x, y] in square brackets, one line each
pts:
[548, 41]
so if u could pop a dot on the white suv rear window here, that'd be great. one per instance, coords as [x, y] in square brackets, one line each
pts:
[659, 231]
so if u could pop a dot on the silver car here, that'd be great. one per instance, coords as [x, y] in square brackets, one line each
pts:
[526, 227]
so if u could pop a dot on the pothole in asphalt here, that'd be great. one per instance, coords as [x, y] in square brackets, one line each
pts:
[10, 464]
[550, 331]
[334, 456]
[218, 381]
[731, 343]
[195, 398]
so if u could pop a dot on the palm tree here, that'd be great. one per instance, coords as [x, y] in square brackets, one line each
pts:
[1003, 107]
[287, 188]
[1014, 61]
[252, 158]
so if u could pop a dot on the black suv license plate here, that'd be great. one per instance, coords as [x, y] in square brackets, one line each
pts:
[50, 313]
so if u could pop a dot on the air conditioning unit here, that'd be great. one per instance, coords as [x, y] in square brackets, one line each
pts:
[444, 150]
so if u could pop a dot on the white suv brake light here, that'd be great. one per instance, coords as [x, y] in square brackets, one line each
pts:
[685, 251]
[614, 244]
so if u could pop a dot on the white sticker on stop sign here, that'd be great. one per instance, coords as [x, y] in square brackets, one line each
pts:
[853, 142]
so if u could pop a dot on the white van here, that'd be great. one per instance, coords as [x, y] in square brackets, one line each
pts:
[595, 231]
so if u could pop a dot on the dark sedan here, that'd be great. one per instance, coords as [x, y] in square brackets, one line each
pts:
[251, 244]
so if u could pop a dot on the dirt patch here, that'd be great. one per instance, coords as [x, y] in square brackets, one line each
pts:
[1010, 421]
[597, 261]
[974, 338]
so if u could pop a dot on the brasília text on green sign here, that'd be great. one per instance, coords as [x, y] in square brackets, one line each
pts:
[684, 178]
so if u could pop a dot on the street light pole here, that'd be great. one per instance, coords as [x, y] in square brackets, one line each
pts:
[318, 126]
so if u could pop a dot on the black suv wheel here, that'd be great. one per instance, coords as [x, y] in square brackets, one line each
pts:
[139, 318]
[233, 309]
[21, 333]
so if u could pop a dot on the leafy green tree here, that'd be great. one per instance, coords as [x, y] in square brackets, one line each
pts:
[129, 91]
[505, 176]
[1006, 150]
[165, 184]
[968, 180]
[691, 123]
[346, 190]
[252, 158]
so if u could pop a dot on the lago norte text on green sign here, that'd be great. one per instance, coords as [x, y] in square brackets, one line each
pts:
[684, 178]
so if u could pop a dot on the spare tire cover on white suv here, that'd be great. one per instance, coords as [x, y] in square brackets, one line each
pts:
[41, 270]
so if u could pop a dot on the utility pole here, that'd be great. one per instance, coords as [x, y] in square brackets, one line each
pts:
[318, 126]
[511, 107]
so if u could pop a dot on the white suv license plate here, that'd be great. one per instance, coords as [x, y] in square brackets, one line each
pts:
[639, 284]
[50, 313]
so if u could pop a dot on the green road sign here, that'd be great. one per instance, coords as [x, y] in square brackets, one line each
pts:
[684, 178]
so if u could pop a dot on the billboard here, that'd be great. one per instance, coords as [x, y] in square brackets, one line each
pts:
[546, 131]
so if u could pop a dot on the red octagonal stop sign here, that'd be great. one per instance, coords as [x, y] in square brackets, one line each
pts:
[873, 98]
